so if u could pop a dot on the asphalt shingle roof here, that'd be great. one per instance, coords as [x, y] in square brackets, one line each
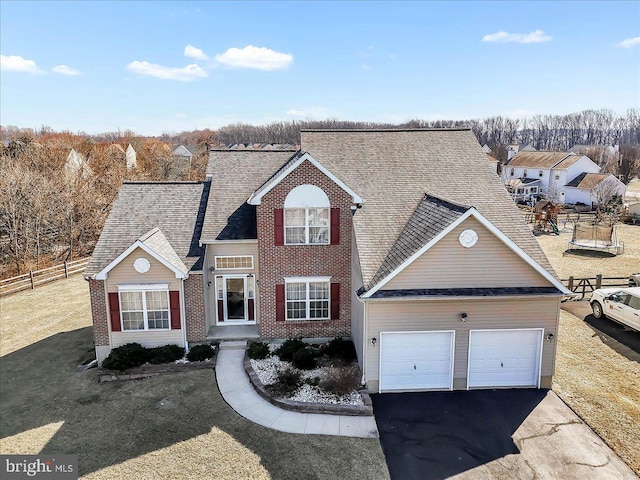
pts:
[175, 208]
[431, 217]
[587, 181]
[235, 174]
[557, 160]
[467, 292]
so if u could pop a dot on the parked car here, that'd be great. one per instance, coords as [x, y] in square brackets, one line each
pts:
[634, 280]
[620, 305]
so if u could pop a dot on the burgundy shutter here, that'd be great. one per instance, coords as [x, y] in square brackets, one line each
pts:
[335, 301]
[250, 308]
[335, 226]
[174, 306]
[114, 312]
[280, 303]
[278, 226]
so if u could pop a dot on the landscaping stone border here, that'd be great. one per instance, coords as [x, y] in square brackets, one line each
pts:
[149, 370]
[308, 407]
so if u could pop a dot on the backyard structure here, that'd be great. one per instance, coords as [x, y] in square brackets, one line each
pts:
[546, 217]
[596, 237]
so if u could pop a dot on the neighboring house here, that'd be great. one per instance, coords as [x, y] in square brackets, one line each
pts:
[76, 164]
[550, 173]
[367, 234]
[590, 188]
[600, 154]
[516, 148]
[131, 158]
[486, 149]
[184, 151]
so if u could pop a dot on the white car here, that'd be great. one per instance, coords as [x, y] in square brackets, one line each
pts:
[619, 304]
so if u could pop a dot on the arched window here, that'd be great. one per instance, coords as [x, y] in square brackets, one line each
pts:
[306, 216]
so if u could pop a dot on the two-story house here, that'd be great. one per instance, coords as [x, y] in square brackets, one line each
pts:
[367, 234]
[557, 175]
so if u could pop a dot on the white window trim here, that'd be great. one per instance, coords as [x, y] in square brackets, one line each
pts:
[143, 289]
[306, 225]
[215, 262]
[307, 301]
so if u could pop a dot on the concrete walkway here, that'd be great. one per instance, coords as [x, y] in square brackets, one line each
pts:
[238, 392]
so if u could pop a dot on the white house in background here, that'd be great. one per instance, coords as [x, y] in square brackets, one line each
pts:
[184, 151]
[583, 188]
[552, 174]
[601, 154]
[76, 164]
[486, 149]
[131, 158]
[517, 148]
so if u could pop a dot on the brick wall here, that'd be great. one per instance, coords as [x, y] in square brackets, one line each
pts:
[195, 321]
[277, 262]
[99, 312]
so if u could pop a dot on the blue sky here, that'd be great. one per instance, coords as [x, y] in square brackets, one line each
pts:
[157, 67]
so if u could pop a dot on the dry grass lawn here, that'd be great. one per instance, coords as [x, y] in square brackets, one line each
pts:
[173, 426]
[599, 384]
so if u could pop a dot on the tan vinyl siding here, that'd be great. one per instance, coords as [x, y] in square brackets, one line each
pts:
[125, 273]
[357, 307]
[148, 338]
[232, 250]
[396, 316]
[489, 263]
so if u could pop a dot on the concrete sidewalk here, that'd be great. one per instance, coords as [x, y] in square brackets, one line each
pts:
[238, 392]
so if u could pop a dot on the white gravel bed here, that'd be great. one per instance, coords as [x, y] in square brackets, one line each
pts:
[269, 368]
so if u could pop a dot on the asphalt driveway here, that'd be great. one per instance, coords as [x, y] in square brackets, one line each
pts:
[488, 434]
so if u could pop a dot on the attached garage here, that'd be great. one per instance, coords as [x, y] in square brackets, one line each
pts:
[504, 358]
[416, 360]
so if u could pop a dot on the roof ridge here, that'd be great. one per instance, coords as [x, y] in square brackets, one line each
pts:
[149, 234]
[463, 206]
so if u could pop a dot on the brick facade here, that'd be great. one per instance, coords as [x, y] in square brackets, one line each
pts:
[99, 312]
[195, 321]
[277, 262]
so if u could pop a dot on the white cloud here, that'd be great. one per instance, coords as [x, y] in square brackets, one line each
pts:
[312, 112]
[537, 36]
[64, 70]
[629, 42]
[259, 58]
[15, 63]
[184, 74]
[192, 52]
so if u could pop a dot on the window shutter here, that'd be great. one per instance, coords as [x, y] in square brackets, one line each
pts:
[114, 312]
[174, 306]
[335, 301]
[278, 226]
[250, 307]
[335, 226]
[280, 303]
[220, 311]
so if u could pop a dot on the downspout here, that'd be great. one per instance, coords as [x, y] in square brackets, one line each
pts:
[364, 342]
[183, 315]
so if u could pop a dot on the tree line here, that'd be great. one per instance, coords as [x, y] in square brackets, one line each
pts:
[49, 213]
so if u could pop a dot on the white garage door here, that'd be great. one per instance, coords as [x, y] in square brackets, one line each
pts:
[416, 360]
[504, 358]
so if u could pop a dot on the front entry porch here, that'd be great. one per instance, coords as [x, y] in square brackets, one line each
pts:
[233, 332]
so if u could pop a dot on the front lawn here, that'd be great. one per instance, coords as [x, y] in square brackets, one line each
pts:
[172, 426]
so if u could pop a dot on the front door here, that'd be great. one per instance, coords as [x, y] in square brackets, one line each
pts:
[235, 299]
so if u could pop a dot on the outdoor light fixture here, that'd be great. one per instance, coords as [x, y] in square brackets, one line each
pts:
[549, 336]
[374, 340]
[463, 316]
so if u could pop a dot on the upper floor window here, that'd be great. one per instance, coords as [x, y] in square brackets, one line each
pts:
[306, 216]
[512, 172]
[540, 173]
[525, 173]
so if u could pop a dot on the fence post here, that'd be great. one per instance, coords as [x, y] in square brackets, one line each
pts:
[66, 271]
[599, 281]
[31, 277]
[570, 286]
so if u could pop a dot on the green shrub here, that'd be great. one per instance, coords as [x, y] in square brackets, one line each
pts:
[288, 382]
[258, 351]
[313, 381]
[287, 349]
[304, 359]
[127, 356]
[166, 354]
[199, 353]
[342, 349]
[342, 381]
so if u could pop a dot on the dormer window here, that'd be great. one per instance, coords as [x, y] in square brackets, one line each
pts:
[306, 216]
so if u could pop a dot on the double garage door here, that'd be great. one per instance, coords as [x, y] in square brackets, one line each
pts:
[425, 360]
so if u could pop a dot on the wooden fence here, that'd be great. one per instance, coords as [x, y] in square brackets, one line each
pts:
[38, 277]
[584, 285]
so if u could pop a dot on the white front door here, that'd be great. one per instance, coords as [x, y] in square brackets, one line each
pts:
[416, 360]
[504, 358]
[235, 299]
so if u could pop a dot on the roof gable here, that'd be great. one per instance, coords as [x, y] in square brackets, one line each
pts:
[290, 166]
[470, 213]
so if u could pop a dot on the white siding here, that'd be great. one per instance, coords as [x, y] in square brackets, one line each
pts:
[403, 315]
[489, 263]
[357, 307]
